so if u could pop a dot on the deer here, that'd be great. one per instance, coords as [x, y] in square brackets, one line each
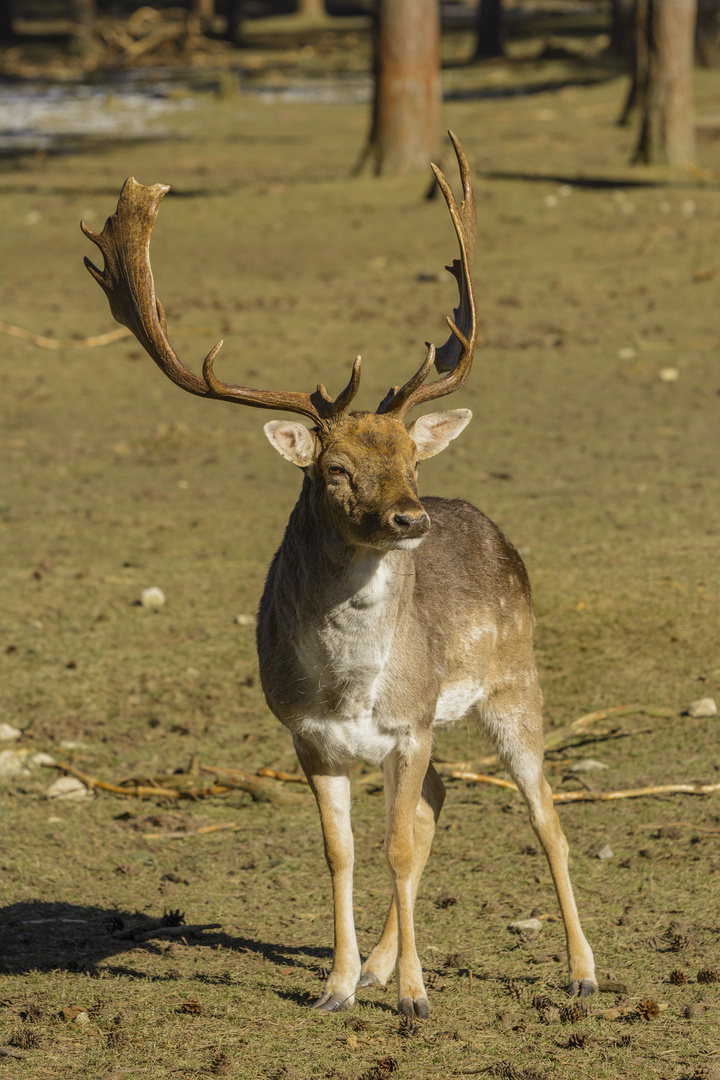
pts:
[385, 616]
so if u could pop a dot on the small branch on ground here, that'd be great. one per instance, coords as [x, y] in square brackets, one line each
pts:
[55, 343]
[168, 931]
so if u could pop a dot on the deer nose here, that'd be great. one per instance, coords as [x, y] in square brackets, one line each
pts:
[411, 522]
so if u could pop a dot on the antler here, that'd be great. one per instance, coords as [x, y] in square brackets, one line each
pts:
[456, 355]
[127, 280]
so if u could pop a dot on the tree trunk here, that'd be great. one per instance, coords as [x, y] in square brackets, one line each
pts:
[83, 12]
[311, 9]
[667, 133]
[236, 12]
[491, 30]
[6, 17]
[622, 25]
[707, 35]
[405, 129]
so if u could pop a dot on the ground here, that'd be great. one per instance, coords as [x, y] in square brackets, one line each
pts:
[594, 446]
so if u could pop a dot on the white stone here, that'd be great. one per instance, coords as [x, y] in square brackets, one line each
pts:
[525, 926]
[626, 353]
[41, 759]
[8, 733]
[152, 598]
[12, 763]
[669, 374]
[69, 789]
[702, 708]
[245, 620]
[604, 852]
[587, 765]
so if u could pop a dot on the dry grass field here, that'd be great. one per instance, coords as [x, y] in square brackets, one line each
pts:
[595, 447]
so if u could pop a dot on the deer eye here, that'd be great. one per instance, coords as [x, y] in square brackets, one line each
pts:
[336, 470]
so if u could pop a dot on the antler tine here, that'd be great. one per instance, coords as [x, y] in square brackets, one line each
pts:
[456, 355]
[127, 281]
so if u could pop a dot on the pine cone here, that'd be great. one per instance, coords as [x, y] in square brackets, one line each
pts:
[580, 1040]
[708, 975]
[408, 1027]
[706, 1072]
[515, 989]
[549, 1016]
[192, 1006]
[27, 1038]
[221, 1064]
[678, 942]
[572, 1012]
[505, 1070]
[355, 1023]
[648, 1009]
[678, 977]
[541, 1002]
[434, 981]
[173, 917]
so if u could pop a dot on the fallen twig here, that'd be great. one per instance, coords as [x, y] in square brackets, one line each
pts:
[481, 778]
[178, 834]
[254, 785]
[92, 782]
[55, 343]
[598, 796]
[285, 777]
[168, 931]
[635, 793]
[185, 786]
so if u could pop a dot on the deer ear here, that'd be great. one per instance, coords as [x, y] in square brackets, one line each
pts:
[434, 431]
[292, 440]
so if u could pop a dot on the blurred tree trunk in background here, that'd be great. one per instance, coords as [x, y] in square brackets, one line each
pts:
[622, 27]
[312, 9]
[707, 34]
[664, 81]
[6, 17]
[405, 128]
[236, 12]
[83, 12]
[490, 30]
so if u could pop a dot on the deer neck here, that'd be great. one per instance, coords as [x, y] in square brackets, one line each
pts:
[328, 574]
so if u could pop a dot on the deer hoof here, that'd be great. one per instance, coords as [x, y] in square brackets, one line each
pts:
[369, 978]
[331, 1003]
[582, 989]
[419, 1007]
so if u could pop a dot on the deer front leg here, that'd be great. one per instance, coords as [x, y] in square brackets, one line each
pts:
[331, 787]
[408, 771]
[380, 964]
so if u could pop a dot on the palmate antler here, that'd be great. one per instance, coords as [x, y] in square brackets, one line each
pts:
[127, 280]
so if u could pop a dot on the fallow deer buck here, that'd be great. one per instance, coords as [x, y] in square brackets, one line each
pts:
[384, 615]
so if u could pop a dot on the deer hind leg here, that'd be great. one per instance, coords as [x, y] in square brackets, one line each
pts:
[331, 788]
[517, 730]
[380, 964]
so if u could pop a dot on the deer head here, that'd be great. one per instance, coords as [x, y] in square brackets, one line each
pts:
[363, 465]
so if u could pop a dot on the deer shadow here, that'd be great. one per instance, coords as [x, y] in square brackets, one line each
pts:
[39, 935]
